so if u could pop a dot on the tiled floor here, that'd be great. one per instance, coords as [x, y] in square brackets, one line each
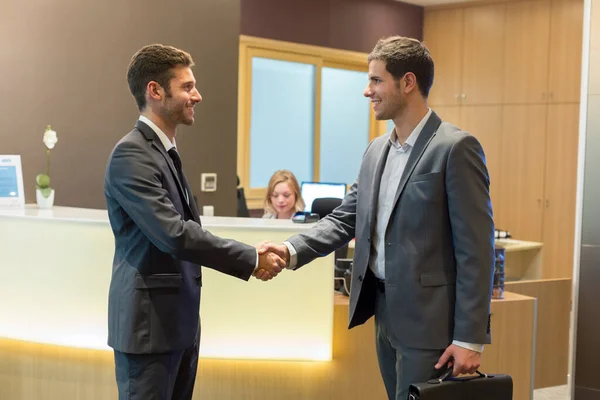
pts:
[552, 393]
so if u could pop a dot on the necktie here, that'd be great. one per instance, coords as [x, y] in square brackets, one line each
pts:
[177, 162]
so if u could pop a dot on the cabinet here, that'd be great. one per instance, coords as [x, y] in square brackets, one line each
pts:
[566, 31]
[562, 138]
[515, 53]
[449, 114]
[552, 333]
[518, 66]
[467, 46]
[513, 327]
[483, 55]
[526, 50]
[522, 181]
[444, 38]
[539, 178]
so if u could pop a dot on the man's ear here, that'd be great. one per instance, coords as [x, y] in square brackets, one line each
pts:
[410, 82]
[154, 90]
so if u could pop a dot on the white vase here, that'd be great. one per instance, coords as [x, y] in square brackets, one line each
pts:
[44, 202]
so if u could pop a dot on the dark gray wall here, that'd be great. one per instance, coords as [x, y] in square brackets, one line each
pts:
[587, 347]
[341, 24]
[63, 62]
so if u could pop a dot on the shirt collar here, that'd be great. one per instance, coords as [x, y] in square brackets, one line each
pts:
[161, 135]
[412, 138]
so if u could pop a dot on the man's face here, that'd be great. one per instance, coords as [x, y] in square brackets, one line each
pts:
[177, 105]
[385, 92]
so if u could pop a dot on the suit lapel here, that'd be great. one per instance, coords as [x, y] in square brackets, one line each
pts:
[375, 185]
[428, 132]
[151, 136]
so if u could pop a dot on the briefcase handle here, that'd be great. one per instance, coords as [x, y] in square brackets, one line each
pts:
[447, 375]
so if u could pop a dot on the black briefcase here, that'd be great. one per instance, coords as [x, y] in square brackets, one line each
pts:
[479, 387]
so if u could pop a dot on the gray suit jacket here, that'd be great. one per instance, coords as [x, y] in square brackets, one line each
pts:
[154, 295]
[439, 243]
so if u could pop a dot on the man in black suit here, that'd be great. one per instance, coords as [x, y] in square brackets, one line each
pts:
[154, 297]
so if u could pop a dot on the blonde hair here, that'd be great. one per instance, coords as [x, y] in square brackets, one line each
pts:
[281, 176]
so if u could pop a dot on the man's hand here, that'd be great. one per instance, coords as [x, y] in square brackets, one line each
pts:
[464, 361]
[269, 264]
[280, 249]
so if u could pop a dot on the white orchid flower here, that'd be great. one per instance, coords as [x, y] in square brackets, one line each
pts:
[50, 138]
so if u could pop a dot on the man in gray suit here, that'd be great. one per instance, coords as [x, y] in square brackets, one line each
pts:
[154, 297]
[421, 214]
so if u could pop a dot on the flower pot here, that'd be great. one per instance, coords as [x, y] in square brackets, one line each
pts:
[44, 202]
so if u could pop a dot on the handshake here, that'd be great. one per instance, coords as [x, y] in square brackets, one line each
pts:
[272, 258]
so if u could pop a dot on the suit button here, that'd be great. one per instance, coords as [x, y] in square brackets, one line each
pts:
[360, 278]
[369, 239]
[389, 244]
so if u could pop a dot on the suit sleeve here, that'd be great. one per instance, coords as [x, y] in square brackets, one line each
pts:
[134, 181]
[330, 233]
[470, 210]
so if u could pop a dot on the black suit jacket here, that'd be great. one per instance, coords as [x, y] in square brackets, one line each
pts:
[154, 295]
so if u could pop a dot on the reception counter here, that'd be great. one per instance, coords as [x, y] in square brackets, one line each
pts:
[56, 266]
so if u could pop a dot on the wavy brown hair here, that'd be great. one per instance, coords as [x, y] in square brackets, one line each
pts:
[283, 175]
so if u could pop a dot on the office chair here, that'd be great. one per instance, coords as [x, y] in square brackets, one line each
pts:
[325, 205]
[242, 206]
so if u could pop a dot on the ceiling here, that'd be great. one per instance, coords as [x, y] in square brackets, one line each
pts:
[427, 3]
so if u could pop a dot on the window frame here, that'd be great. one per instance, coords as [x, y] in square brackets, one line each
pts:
[286, 51]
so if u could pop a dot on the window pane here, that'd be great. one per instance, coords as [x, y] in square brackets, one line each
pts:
[344, 124]
[282, 119]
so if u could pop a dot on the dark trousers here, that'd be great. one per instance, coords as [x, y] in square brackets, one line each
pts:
[166, 376]
[399, 365]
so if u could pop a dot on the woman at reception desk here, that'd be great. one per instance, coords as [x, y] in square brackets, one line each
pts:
[282, 199]
[282, 339]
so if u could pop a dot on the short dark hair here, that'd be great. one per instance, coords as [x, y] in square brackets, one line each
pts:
[402, 55]
[154, 62]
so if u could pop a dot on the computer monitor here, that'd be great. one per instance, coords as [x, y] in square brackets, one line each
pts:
[315, 190]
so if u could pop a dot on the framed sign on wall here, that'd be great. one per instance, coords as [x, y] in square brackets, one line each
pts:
[12, 194]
